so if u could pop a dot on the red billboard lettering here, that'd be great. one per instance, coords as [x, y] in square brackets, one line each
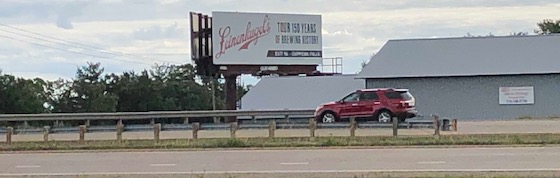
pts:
[251, 34]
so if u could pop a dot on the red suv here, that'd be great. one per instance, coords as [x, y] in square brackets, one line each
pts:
[380, 104]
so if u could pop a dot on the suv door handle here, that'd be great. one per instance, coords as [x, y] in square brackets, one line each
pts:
[355, 104]
[377, 102]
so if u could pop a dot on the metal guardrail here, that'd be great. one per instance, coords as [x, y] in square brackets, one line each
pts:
[150, 115]
[272, 124]
[187, 127]
[257, 120]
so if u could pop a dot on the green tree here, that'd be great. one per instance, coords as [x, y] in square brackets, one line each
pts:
[519, 34]
[86, 93]
[22, 96]
[548, 26]
[90, 88]
[60, 96]
[135, 92]
[180, 88]
[163, 88]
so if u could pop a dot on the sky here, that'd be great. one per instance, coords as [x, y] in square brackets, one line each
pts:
[52, 38]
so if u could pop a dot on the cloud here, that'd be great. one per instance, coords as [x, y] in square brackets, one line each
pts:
[345, 43]
[121, 51]
[14, 9]
[64, 22]
[69, 11]
[112, 10]
[326, 6]
[156, 32]
[58, 12]
[44, 76]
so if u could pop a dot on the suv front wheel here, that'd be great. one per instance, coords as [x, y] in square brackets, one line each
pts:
[327, 117]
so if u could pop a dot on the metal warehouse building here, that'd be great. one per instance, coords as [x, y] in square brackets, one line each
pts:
[473, 78]
[298, 92]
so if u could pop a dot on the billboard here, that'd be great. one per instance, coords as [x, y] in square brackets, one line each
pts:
[266, 39]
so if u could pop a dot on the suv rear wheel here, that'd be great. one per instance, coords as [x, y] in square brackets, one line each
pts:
[384, 116]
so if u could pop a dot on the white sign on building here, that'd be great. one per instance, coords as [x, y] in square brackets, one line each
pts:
[266, 39]
[517, 95]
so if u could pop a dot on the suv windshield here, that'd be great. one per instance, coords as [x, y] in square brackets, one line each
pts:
[351, 97]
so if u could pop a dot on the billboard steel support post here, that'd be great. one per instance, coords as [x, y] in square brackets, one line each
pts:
[231, 95]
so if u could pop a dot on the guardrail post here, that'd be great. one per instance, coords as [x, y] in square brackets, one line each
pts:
[312, 128]
[152, 121]
[271, 128]
[454, 125]
[157, 129]
[287, 117]
[55, 123]
[195, 128]
[254, 119]
[232, 129]
[436, 125]
[25, 124]
[186, 121]
[9, 134]
[352, 127]
[120, 122]
[82, 134]
[88, 123]
[46, 131]
[395, 126]
[445, 125]
[120, 129]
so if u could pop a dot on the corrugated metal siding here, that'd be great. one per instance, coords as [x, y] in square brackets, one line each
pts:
[477, 97]
[465, 57]
[298, 92]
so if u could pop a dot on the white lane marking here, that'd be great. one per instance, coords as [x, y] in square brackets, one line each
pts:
[300, 163]
[358, 149]
[431, 162]
[281, 171]
[163, 165]
[502, 154]
[28, 166]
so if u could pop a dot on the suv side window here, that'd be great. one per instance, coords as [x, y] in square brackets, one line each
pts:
[369, 96]
[351, 97]
[393, 95]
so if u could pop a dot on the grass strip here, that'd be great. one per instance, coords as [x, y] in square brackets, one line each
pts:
[333, 141]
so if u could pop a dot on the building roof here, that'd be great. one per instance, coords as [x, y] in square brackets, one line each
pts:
[441, 57]
[295, 92]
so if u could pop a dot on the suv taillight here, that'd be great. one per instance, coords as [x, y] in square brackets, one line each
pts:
[404, 104]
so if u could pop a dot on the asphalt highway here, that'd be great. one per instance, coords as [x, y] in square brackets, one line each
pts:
[282, 161]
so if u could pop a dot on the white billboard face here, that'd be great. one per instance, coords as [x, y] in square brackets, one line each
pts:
[517, 95]
[266, 39]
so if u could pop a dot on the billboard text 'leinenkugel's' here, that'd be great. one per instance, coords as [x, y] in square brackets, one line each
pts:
[266, 39]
